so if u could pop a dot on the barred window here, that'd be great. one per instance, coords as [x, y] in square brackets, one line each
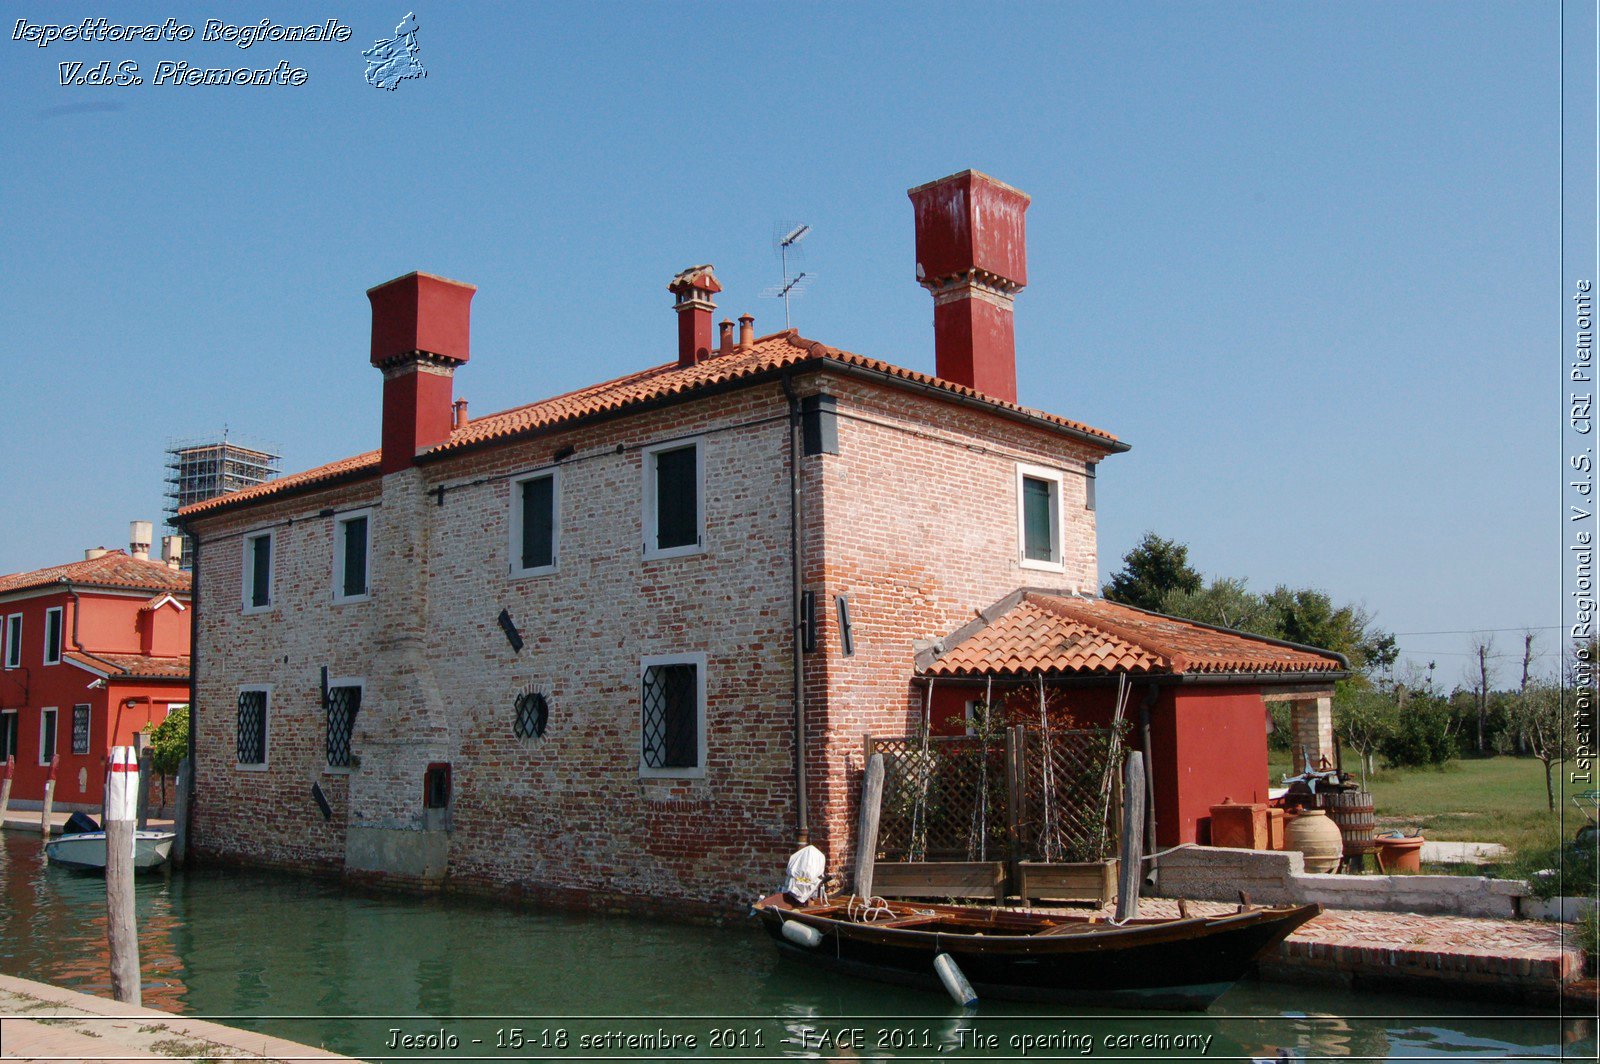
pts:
[672, 723]
[344, 702]
[252, 738]
[80, 729]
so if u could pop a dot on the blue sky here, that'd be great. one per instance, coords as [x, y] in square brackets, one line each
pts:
[1302, 256]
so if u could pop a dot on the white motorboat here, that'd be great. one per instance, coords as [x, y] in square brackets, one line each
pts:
[87, 849]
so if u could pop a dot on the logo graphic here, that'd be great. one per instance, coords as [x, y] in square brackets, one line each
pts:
[393, 61]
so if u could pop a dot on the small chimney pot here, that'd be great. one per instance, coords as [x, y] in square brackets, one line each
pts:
[139, 533]
[747, 331]
[725, 337]
[461, 413]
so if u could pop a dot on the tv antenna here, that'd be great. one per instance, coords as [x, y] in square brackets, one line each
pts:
[787, 237]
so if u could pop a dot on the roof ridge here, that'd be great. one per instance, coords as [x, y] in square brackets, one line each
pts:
[1174, 660]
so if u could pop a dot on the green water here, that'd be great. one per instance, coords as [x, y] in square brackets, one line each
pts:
[310, 961]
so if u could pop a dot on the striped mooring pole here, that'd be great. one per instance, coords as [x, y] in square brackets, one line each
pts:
[122, 810]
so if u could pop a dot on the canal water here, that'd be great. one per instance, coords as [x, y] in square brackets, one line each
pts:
[378, 976]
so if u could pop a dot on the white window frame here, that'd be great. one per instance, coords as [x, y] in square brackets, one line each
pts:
[697, 771]
[55, 733]
[647, 477]
[246, 556]
[13, 640]
[266, 729]
[61, 634]
[339, 522]
[514, 542]
[1055, 477]
[340, 681]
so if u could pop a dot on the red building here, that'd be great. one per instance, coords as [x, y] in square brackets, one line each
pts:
[90, 653]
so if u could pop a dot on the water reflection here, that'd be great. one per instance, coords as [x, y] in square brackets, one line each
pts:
[310, 961]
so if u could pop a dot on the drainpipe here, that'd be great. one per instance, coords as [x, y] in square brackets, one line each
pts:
[1150, 694]
[796, 513]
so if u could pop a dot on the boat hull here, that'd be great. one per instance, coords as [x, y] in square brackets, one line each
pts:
[1181, 964]
[87, 850]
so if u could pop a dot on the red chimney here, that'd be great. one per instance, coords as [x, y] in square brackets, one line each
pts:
[972, 256]
[420, 329]
[694, 288]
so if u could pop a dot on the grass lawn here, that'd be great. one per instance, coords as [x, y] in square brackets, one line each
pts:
[1494, 799]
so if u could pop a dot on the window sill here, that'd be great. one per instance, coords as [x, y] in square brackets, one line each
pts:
[250, 768]
[673, 552]
[1047, 567]
[350, 600]
[543, 570]
[249, 610]
[336, 770]
[648, 773]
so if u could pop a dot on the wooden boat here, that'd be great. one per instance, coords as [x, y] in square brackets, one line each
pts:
[1184, 963]
[87, 849]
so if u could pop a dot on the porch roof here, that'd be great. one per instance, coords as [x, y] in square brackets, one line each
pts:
[1031, 632]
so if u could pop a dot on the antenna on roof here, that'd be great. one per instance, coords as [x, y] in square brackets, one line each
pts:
[786, 237]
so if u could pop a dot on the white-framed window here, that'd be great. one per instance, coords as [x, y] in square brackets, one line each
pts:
[14, 641]
[47, 734]
[52, 635]
[1039, 518]
[255, 707]
[344, 702]
[672, 716]
[352, 556]
[535, 523]
[8, 734]
[674, 499]
[80, 729]
[258, 565]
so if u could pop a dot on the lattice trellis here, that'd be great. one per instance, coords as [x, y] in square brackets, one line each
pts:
[934, 805]
[532, 712]
[252, 740]
[343, 705]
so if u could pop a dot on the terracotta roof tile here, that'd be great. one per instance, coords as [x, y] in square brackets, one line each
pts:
[132, 666]
[1063, 634]
[767, 354]
[113, 569]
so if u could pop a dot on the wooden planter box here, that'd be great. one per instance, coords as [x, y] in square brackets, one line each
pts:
[1092, 881]
[939, 879]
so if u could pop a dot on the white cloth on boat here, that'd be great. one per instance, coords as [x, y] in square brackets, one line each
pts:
[804, 874]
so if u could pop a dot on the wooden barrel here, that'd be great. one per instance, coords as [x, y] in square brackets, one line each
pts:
[1352, 812]
[1313, 834]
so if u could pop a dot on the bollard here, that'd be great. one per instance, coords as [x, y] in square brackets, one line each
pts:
[121, 932]
[49, 800]
[1131, 870]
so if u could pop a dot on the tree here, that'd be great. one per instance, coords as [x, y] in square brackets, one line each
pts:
[1150, 571]
[1225, 602]
[1482, 651]
[1309, 617]
[169, 745]
[1546, 729]
[1363, 719]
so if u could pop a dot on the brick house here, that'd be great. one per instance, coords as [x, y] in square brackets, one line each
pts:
[90, 653]
[624, 643]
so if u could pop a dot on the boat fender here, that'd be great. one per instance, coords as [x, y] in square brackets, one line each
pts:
[802, 934]
[956, 983]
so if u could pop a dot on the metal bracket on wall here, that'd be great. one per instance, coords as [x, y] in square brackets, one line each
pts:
[508, 626]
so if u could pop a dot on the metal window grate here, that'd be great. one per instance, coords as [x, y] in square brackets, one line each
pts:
[671, 718]
[252, 742]
[533, 713]
[80, 729]
[343, 705]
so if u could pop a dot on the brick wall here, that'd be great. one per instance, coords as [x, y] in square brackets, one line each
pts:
[914, 519]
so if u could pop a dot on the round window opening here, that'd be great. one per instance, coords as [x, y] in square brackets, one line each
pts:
[532, 714]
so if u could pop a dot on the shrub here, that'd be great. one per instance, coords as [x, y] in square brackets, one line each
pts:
[1421, 735]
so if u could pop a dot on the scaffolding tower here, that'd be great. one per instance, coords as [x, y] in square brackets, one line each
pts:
[202, 470]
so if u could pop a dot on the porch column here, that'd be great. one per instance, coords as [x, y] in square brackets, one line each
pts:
[1311, 730]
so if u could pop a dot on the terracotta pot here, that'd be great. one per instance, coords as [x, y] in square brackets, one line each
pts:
[1400, 856]
[1313, 834]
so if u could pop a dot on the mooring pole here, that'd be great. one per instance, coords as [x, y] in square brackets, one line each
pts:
[146, 756]
[1131, 872]
[49, 800]
[867, 832]
[121, 932]
[5, 784]
[180, 823]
